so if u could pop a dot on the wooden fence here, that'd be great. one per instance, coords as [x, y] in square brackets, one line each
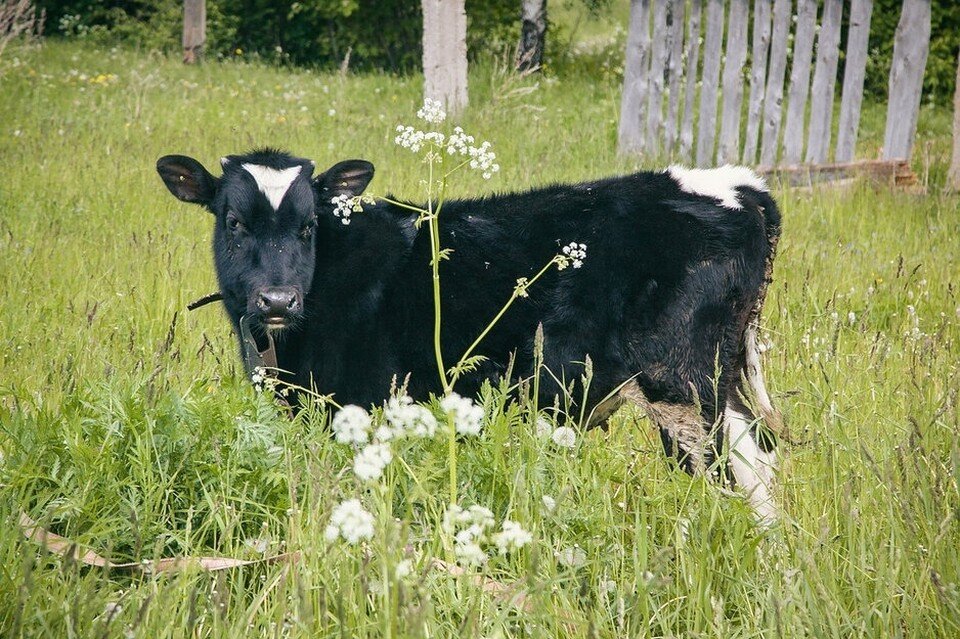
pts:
[672, 89]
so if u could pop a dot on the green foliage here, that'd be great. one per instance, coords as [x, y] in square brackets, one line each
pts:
[136, 434]
[941, 72]
[320, 33]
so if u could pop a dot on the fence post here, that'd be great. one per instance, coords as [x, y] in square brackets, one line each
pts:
[690, 92]
[773, 97]
[658, 62]
[675, 10]
[736, 58]
[854, 70]
[758, 73]
[799, 81]
[194, 30]
[630, 133]
[712, 53]
[824, 83]
[953, 177]
[910, 48]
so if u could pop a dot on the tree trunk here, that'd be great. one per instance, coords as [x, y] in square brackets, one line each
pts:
[445, 53]
[533, 35]
[910, 47]
[630, 133]
[194, 30]
[854, 72]
[953, 178]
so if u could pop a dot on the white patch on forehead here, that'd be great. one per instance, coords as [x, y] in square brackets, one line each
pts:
[273, 183]
[720, 183]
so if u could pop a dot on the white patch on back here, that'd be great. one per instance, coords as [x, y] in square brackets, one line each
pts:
[273, 183]
[720, 183]
[753, 469]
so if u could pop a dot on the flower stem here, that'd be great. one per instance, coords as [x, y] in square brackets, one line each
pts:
[513, 297]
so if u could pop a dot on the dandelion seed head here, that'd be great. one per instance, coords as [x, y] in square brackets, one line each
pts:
[565, 437]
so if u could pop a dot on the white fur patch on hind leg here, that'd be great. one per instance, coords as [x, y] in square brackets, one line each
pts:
[753, 469]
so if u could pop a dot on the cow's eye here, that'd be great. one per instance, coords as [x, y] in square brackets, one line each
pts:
[307, 229]
[234, 223]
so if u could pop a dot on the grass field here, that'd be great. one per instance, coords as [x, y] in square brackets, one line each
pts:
[126, 423]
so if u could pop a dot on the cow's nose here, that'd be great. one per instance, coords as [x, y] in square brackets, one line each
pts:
[278, 302]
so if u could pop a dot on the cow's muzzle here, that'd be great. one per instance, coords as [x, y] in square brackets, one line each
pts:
[278, 305]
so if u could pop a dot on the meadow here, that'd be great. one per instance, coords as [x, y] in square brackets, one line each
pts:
[127, 424]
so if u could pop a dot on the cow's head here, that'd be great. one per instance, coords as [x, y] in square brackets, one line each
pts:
[265, 205]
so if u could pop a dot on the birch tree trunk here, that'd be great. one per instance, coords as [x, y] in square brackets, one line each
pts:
[824, 83]
[854, 71]
[733, 81]
[533, 34]
[630, 133]
[194, 30]
[707, 129]
[690, 92]
[953, 177]
[773, 97]
[758, 73]
[910, 48]
[445, 53]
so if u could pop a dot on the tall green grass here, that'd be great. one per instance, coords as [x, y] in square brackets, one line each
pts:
[127, 426]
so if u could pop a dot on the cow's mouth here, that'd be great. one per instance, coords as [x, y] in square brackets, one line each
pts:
[275, 323]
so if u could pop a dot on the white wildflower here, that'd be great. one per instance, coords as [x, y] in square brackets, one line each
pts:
[459, 142]
[470, 553]
[403, 569]
[352, 425]
[483, 159]
[573, 253]
[432, 111]
[343, 206]
[851, 318]
[544, 427]
[369, 463]
[512, 537]
[404, 418]
[409, 138]
[259, 374]
[467, 416]
[351, 521]
[549, 503]
[572, 557]
[565, 437]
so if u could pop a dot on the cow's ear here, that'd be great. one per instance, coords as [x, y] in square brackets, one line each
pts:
[350, 177]
[187, 179]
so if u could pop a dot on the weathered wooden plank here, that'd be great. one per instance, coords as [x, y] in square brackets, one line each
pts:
[194, 30]
[675, 11]
[762, 12]
[824, 83]
[690, 92]
[773, 96]
[953, 177]
[736, 58]
[893, 172]
[635, 76]
[799, 81]
[706, 131]
[910, 47]
[658, 62]
[854, 71]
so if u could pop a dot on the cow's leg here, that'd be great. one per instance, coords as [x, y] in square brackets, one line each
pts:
[751, 456]
[684, 432]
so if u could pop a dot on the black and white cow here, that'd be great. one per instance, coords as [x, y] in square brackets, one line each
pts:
[666, 304]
